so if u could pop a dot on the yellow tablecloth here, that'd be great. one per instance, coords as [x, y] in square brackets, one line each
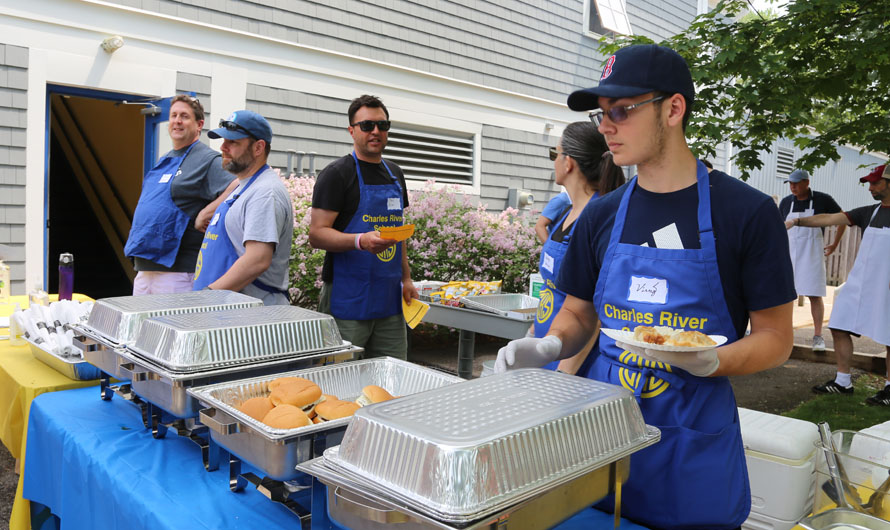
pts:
[22, 378]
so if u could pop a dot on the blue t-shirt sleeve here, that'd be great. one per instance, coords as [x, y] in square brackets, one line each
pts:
[556, 206]
[767, 276]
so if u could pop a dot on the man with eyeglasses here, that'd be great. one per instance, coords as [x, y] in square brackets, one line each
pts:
[365, 276]
[683, 248]
[166, 232]
[247, 243]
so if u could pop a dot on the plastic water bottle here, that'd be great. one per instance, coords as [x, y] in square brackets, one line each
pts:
[4, 283]
[15, 328]
[66, 276]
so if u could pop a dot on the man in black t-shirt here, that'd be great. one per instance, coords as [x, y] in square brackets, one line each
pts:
[862, 304]
[808, 251]
[365, 276]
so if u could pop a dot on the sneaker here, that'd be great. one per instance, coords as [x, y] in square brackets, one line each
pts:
[881, 398]
[818, 343]
[831, 387]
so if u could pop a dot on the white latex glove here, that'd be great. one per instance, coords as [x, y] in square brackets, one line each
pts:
[701, 364]
[527, 353]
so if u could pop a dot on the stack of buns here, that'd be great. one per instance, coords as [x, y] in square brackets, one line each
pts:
[295, 402]
[669, 336]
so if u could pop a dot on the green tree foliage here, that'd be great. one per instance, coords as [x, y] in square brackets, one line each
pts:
[819, 74]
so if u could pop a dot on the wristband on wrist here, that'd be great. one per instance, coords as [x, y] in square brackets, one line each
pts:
[358, 242]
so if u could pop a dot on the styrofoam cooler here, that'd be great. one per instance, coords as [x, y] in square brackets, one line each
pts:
[781, 456]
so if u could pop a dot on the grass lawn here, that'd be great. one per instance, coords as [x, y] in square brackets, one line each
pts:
[845, 411]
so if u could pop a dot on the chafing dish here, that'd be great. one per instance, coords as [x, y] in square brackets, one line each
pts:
[844, 519]
[173, 353]
[276, 452]
[115, 322]
[463, 453]
[511, 305]
[73, 367]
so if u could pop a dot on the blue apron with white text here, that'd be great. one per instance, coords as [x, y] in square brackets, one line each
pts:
[158, 224]
[366, 285]
[218, 254]
[552, 298]
[696, 476]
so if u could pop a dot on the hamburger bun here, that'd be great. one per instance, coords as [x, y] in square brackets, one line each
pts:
[690, 339]
[335, 409]
[273, 384]
[286, 417]
[373, 394]
[298, 392]
[257, 407]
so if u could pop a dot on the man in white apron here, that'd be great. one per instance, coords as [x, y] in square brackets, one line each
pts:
[862, 306]
[807, 251]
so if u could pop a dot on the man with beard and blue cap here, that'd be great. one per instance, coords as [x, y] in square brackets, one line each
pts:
[247, 244]
[680, 247]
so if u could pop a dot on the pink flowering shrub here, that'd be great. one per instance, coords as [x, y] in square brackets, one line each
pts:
[454, 239]
[305, 261]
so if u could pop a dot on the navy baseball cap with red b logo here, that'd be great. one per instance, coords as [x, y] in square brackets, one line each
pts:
[636, 70]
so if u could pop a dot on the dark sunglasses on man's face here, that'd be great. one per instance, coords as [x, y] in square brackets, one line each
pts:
[618, 113]
[554, 154]
[368, 125]
[234, 127]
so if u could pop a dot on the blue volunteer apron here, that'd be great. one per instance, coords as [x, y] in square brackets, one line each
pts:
[368, 286]
[217, 252]
[696, 476]
[552, 298]
[158, 224]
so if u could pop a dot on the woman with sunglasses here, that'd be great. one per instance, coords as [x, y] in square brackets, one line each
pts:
[582, 164]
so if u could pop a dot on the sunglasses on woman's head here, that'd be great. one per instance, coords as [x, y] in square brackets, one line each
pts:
[368, 125]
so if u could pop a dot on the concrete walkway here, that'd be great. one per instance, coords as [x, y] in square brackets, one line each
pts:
[868, 355]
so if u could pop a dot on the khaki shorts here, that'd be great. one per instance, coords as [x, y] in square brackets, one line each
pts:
[379, 337]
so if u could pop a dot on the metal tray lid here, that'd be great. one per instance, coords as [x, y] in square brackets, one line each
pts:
[514, 305]
[470, 447]
[200, 341]
[119, 318]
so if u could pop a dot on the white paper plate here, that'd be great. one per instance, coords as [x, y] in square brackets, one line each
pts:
[627, 337]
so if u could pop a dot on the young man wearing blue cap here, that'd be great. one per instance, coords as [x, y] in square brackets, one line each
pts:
[680, 247]
[247, 243]
[808, 250]
[862, 306]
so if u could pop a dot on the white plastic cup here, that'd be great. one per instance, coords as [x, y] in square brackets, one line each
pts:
[487, 368]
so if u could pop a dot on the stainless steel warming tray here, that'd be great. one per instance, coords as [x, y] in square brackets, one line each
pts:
[276, 452]
[73, 367]
[173, 353]
[117, 320]
[465, 451]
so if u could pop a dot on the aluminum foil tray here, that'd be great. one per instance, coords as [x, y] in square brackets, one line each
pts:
[277, 451]
[519, 306]
[464, 451]
[203, 341]
[118, 319]
[73, 367]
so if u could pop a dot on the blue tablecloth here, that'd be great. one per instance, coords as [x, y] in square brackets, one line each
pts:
[95, 466]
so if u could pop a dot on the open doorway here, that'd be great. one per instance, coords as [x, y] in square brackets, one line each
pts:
[95, 163]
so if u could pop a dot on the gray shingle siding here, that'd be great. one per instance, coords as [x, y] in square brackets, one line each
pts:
[13, 102]
[534, 48]
[515, 159]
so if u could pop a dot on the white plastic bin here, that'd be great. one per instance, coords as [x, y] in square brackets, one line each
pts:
[781, 456]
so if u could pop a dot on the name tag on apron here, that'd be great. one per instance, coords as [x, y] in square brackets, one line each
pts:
[647, 290]
[215, 219]
[393, 203]
[166, 178]
[548, 263]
